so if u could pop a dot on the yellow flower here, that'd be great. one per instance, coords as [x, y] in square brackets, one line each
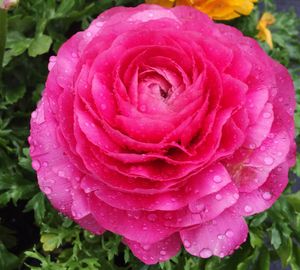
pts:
[164, 3]
[216, 9]
[264, 33]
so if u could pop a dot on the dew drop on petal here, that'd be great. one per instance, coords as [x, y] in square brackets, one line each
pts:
[61, 174]
[163, 252]
[267, 196]
[34, 114]
[248, 209]
[199, 207]
[266, 115]
[143, 108]
[229, 233]
[217, 179]
[219, 197]
[186, 243]
[268, 160]
[221, 236]
[146, 247]
[47, 190]
[236, 196]
[205, 253]
[36, 165]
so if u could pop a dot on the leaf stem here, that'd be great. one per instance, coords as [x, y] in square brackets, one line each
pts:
[3, 31]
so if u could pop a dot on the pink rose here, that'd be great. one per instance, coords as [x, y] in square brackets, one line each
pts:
[166, 128]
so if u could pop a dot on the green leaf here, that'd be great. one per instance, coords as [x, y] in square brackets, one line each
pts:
[275, 238]
[15, 94]
[245, 264]
[40, 45]
[285, 252]
[264, 259]
[37, 204]
[8, 261]
[50, 241]
[259, 219]
[255, 239]
[294, 200]
[65, 7]
[25, 160]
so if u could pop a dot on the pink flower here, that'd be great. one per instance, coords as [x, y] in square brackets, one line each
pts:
[166, 128]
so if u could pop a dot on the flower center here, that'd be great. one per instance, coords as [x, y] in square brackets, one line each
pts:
[163, 92]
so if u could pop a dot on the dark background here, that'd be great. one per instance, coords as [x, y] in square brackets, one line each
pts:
[287, 4]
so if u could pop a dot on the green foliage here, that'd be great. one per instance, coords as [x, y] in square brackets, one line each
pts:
[36, 29]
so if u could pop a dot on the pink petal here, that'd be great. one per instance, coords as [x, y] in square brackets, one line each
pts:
[150, 229]
[218, 237]
[48, 159]
[156, 252]
[264, 197]
[258, 132]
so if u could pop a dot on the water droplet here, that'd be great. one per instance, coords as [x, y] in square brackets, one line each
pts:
[252, 146]
[229, 233]
[146, 247]
[236, 196]
[186, 243]
[262, 148]
[163, 252]
[34, 114]
[219, 197]
[74, 55]
[248, 209]
[205, 253]
[88, 34]
[143, 108]
[36, 165]
[222, 255]
[221, 236]
[103, 106]
[266, 115]
[61, 174]
[145, 228]
[99, 24]
[217, 179]
[45, 164]
[267, 195]
[268, 160]
[199, 206]
[47, 190]
[152, 217]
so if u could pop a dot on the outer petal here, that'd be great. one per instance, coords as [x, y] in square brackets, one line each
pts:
[155, 252]
[56, 174]
[139, 226]
[264, 197]
[218, 237]
[53, 168]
